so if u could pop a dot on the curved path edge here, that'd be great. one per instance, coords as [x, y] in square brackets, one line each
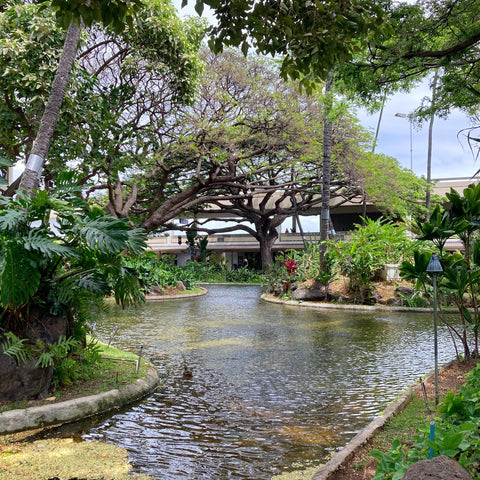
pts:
[156, 298]
[340, 306]
[68, 411]
[346, 453]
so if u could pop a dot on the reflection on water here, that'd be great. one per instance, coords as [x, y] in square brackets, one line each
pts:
[271, 386]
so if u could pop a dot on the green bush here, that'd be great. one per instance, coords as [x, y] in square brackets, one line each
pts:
[457, 435]
[63, 271]
[153, 272]
[212, 271]
[361, 258]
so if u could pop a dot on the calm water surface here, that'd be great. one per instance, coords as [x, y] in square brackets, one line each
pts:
[273, 387]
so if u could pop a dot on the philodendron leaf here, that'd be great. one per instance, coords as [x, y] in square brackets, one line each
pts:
[19, 277]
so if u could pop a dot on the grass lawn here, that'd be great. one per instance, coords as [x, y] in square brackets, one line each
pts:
[116, 368]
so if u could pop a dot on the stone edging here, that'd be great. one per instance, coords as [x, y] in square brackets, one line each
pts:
[357, 442]
[339, 306]
[347, 452]
[12, 421]
[156, 298]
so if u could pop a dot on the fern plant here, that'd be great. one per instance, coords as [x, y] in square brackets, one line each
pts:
[15, 347]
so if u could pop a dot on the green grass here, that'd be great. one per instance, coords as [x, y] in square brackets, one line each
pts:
[192, 290]
[113, 372]
[404, 425]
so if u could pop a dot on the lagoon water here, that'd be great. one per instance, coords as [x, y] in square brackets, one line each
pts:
[273, 387]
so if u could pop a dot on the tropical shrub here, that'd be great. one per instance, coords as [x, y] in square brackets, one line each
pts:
[459, 283]
[153, 272]
[360, 258]
[211, 271]
[457, 435]
[59, 258]
[294, 267]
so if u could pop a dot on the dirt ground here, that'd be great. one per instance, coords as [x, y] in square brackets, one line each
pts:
[384, 290]
[449, 378]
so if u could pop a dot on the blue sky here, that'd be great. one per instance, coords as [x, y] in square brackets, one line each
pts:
[451, 155]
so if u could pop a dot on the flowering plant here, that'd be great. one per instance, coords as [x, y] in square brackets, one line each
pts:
[291, 266]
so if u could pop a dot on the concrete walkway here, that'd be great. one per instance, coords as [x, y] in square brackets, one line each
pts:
[68, 411]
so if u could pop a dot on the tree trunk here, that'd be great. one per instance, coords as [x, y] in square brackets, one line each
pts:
[326, 172]
[429, 151]
[266, 238]
[36, 159]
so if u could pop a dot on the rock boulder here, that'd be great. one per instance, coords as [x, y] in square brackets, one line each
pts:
[316, 292]
[439, 468]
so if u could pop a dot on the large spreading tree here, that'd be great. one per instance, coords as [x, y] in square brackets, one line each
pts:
[154, 30]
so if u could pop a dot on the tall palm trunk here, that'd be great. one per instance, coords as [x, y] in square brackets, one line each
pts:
[36, 160]
[326, 172]
[429, 151]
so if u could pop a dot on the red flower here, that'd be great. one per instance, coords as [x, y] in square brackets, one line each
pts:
[291, 266]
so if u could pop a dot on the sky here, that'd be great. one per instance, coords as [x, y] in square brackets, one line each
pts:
[451, 155]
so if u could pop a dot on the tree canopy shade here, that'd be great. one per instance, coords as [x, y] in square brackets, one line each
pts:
[428, 36]
[310, 36]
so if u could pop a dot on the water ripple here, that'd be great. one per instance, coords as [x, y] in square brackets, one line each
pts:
[271, 386]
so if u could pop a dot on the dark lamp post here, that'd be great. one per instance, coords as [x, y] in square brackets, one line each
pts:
[435, 267]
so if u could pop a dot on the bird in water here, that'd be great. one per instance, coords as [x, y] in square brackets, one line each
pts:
[187, 372]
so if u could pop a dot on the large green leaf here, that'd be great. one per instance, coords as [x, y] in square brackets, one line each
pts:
[5, 162]
[12, 219]
[19, 277]
[38, 241]
[137, 241]
[107, 234]
[126, 288]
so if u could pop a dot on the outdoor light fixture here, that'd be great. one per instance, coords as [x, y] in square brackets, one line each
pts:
[434, 266]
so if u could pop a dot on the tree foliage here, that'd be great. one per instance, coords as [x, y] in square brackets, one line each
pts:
[396, 191]
[56, 253]
[460, 280]
[115, 14]
[429, 36]
[152, 65]
[310, 36]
